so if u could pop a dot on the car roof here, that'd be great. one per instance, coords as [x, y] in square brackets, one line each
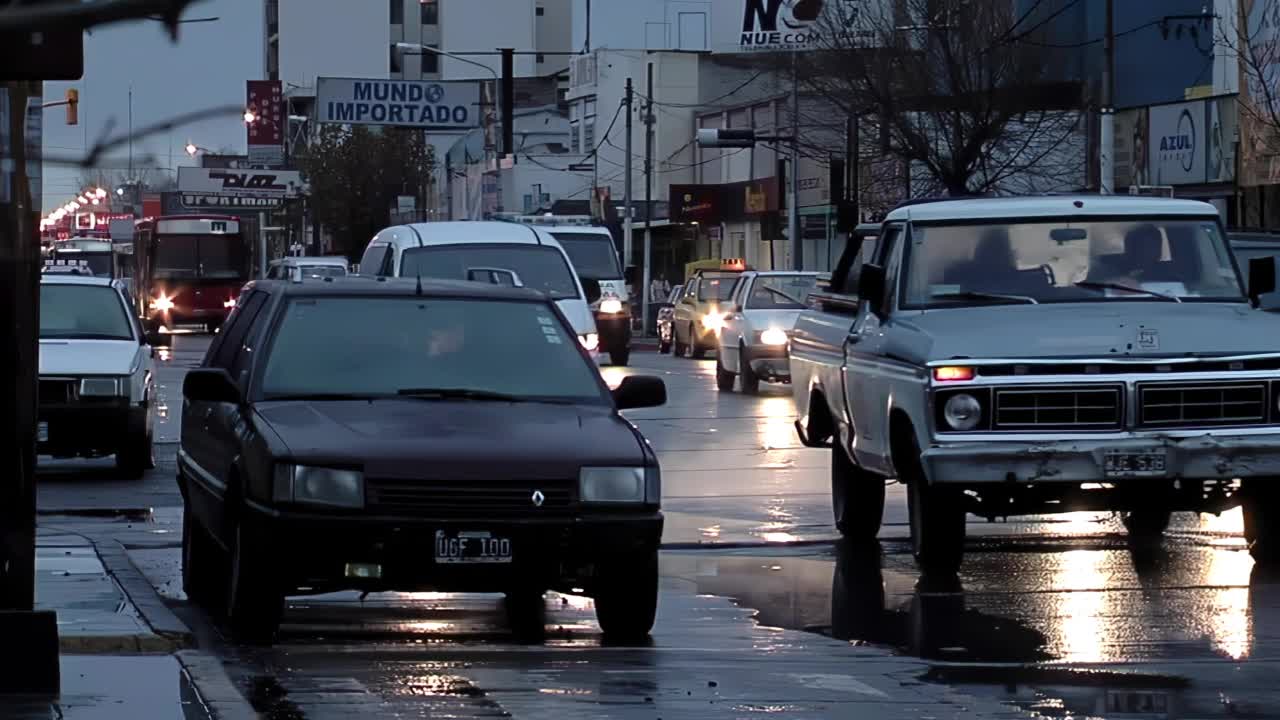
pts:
[311, 260]
[363, 285]
[58, 278]
[966, 209]
[769, 273]
[460, 232]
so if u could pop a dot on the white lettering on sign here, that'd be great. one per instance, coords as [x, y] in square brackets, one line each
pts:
[406, 103]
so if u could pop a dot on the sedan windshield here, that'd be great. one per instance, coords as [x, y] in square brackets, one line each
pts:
[593, 254]
[428, 348]
[1152, 260]
[82, 312]
[781, 292]
[540, 267]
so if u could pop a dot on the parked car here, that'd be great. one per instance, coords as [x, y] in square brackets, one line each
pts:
[757, 328]
[1039, 355]
[385, 434]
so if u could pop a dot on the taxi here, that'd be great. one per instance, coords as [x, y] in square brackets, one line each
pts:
[701, 312]
[97, 372]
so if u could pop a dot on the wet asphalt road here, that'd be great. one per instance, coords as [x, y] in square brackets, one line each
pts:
[1056, 615]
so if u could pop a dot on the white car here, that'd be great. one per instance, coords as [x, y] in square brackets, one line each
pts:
[755, 328]
[97, 374]
[307, 267]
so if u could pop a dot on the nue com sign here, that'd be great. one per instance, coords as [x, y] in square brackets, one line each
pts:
[779, 24]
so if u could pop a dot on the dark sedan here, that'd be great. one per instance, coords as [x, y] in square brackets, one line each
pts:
[389, 435]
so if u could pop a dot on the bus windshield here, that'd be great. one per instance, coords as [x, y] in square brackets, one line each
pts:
[101, 263]
[199, 256]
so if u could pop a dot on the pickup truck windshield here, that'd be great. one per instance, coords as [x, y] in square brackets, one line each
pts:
[1103, 261]
[82, 312]
[394, 347]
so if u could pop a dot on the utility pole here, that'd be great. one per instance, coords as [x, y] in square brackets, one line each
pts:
[1107, 111]
[648, 195]
[793, 178]
[131, 132]
[628, 259]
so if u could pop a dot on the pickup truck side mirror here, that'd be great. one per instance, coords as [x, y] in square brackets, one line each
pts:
[871, 284]
[1262, 278]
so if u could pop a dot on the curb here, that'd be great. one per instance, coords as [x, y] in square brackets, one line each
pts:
[114, 644]
[137, 514]
[168, 628]
[214, 687]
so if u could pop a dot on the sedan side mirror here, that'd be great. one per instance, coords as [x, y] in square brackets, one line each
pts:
[638, 391]
[157, 339]
[212, 385]
[1262, 278]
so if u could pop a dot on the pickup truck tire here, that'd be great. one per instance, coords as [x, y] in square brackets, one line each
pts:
[724, 378]
[750, 381]
[664, 347]
[1147, 525]
[857, 497]
[627, 598]
[937, 518]
[255, 604]
[1261, 510]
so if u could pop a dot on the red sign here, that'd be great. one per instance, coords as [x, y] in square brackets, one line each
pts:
[266, 134]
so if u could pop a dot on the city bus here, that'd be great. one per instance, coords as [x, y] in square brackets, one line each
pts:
[188, 269]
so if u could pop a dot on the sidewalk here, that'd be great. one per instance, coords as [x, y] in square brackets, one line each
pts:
[122, 650]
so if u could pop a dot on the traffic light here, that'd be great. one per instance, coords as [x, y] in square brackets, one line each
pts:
[73, 106]
[726, 138]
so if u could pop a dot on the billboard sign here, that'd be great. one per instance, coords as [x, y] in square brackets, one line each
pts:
[1132, 148]
[786, 25]
[405, 103]
[242, 183]
[1177, 154]
[266, 134]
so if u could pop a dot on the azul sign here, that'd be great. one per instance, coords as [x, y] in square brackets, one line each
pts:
[405, 103]
[779, 24]
[1177, 155]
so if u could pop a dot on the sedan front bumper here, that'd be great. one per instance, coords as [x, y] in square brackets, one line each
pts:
[89, 429]
[1186, 455]
[769, 362]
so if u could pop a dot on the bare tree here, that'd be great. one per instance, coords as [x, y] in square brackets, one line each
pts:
[1254, 38]
[962, 89]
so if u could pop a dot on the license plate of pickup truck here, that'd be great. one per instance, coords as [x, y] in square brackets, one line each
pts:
[1134, 463]
[471, 547]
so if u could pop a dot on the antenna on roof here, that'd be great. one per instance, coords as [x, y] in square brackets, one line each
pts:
[419, 290]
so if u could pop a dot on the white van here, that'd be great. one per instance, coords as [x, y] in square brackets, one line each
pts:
[470, 250]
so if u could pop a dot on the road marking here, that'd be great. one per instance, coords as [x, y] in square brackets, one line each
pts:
[843, 683]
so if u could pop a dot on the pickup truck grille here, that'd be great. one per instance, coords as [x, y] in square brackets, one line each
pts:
[1059, 408]
[1199, 404]
[478, 499]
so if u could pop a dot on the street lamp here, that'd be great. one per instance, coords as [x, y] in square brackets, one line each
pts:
[404, 47]
[192, 149]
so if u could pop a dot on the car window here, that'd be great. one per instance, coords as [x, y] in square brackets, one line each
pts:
[540, 267]
[242, 360]
[84, 312]
[232, 335]
[715, 288]
[378, 347]
[373, 259]
[780, 292]
[676, 294]
[322, 271]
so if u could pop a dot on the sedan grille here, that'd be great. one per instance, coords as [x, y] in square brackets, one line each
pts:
[1198, 404]
[481, 498]
[1080, 407]
[57, 391]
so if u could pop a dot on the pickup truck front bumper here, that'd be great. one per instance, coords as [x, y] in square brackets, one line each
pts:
[1186, 455]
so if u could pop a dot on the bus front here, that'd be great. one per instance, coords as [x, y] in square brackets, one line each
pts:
[195, 269]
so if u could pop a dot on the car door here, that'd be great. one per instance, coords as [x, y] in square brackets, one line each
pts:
[868, 372]
[236, 359]
[736, 324]
[684, 311]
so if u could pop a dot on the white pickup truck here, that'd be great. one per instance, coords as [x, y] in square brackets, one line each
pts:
[1022, 356]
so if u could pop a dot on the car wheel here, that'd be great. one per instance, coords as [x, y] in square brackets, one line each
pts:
[526, 610]
[135, 457]
[1261, 510]
[750, 381]
[857, 497]
[937, 518]
[254, 603]
[724, 378]
[619, 357]
[199, 562]
[696, 351]
[1147, 524]
[627, 598]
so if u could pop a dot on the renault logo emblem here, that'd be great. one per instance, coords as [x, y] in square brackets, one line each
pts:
[538, 498]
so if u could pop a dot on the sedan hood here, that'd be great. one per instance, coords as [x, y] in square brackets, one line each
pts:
[765, 319]
[88, 357]
[1112, 329]
[408, 438]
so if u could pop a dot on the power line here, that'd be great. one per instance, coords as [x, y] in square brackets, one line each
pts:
[709, 103]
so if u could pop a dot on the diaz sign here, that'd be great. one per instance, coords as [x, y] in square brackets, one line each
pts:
[240, 183]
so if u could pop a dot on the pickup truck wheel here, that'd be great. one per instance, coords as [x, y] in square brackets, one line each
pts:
[724, 378]
[1261, 510]
[1147, 525]
[627, 598]
[750, 381]
[255, 604]
[696, 351]
[937, 518]
[857, 497]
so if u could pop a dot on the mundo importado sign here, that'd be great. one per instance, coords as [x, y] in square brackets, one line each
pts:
[405, 103]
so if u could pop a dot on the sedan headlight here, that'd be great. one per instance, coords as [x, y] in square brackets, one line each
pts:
[713, 321]
[773, 336]
[100, 387]
[590, 341]
[318, 486]
[162, 303]
[610, 306]
[633, 485]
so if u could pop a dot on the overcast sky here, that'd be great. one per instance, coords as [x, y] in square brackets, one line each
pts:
[208, 67]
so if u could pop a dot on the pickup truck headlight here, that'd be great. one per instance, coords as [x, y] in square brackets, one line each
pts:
[610, 306]
[632, 485]
[101, 387]
[962, 412]
[318, 486]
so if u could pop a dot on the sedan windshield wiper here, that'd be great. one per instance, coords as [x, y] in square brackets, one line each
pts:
[460, 394]
[977, 295]
[320, 396]
[1092, 285]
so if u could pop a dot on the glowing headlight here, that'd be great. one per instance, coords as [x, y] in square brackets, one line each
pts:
[318, 486]
[773, 336]
[610, 306]
[229, 303]
[99, 387]
[162, 303]
[713, 321]
[620, 485]
[590, 341]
